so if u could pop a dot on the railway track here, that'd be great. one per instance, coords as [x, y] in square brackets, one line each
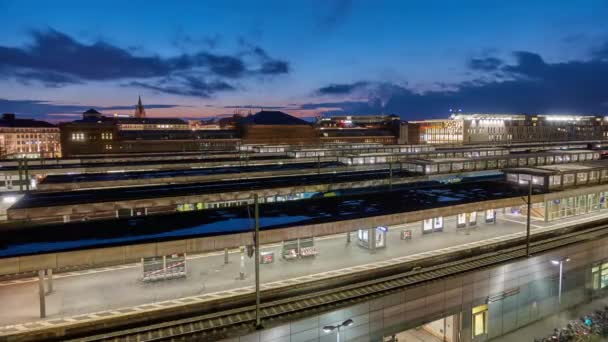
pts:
[215, 326]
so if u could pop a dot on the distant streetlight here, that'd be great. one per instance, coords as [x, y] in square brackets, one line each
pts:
[328, 329]
[560, 263]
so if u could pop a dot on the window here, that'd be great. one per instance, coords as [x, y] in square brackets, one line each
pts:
[555, 180]
[581, 177]
[480, 320]
[599, 276]
[78, 136]
[108, 147]
[106, 136]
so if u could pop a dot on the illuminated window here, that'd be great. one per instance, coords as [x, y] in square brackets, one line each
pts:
[480, 320]
[108, 147]
[78, 136]
[106, 136]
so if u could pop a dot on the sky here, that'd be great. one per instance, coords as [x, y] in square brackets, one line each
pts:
[199, 59]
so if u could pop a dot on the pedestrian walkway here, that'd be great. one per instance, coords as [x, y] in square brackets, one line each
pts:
[119, 290]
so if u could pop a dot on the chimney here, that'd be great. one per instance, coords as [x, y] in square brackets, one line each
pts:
[8, 116]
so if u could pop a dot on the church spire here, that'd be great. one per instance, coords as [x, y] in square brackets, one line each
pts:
[140, 112]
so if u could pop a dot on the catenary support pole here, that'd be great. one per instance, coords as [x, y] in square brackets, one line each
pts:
[528, 217]
[258, 319]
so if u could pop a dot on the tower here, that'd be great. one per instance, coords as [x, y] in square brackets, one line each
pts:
[140, 112]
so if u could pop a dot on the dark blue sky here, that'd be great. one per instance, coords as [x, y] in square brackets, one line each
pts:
[416, 59]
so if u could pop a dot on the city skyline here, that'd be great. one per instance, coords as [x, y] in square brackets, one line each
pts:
[305, 58]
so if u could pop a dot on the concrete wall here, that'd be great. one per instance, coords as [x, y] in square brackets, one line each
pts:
[531, 285]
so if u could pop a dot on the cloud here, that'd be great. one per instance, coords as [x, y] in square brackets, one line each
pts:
[485, 64]
[268, 65]
[342, 89]
[251, 106]
[41, 108]
[56, 59]
[528, 85]
[186, 86]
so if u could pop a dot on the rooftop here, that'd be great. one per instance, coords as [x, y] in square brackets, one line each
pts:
[267, 117]
[45, 199]
[106, 233]
[9, 120]
[116, 176]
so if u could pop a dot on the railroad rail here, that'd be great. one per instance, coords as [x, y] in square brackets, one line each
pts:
[215, 326]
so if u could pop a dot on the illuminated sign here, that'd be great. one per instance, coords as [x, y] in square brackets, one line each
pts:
[382, 229]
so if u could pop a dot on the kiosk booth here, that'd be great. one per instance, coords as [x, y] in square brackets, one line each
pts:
[372, 238]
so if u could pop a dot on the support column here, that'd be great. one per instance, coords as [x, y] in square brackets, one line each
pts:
[348, 237]
[41, 294]
[456, 328]
[49, 279]
[20, 169]
[390, 176]
[318, 164]
[466, 324]
[225, 255]
[27, 176]
[372, 240]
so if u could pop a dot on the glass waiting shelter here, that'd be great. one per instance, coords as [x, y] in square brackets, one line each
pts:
[560, 176]
[307, 153]
[450, 165]
[372, 238]
[270, 148]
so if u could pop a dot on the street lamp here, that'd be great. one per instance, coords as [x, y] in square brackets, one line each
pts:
[328, 329]
[560, 263]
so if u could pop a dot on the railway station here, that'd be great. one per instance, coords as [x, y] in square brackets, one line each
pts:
[301, 240]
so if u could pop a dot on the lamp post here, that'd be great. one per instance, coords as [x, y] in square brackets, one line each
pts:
[328, 329]
[529, 203]
[560, 263]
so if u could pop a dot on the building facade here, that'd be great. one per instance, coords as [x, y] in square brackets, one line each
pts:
[275, 127]
[383, 129]
[27, 138]
[99, 134]
[507, 128]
